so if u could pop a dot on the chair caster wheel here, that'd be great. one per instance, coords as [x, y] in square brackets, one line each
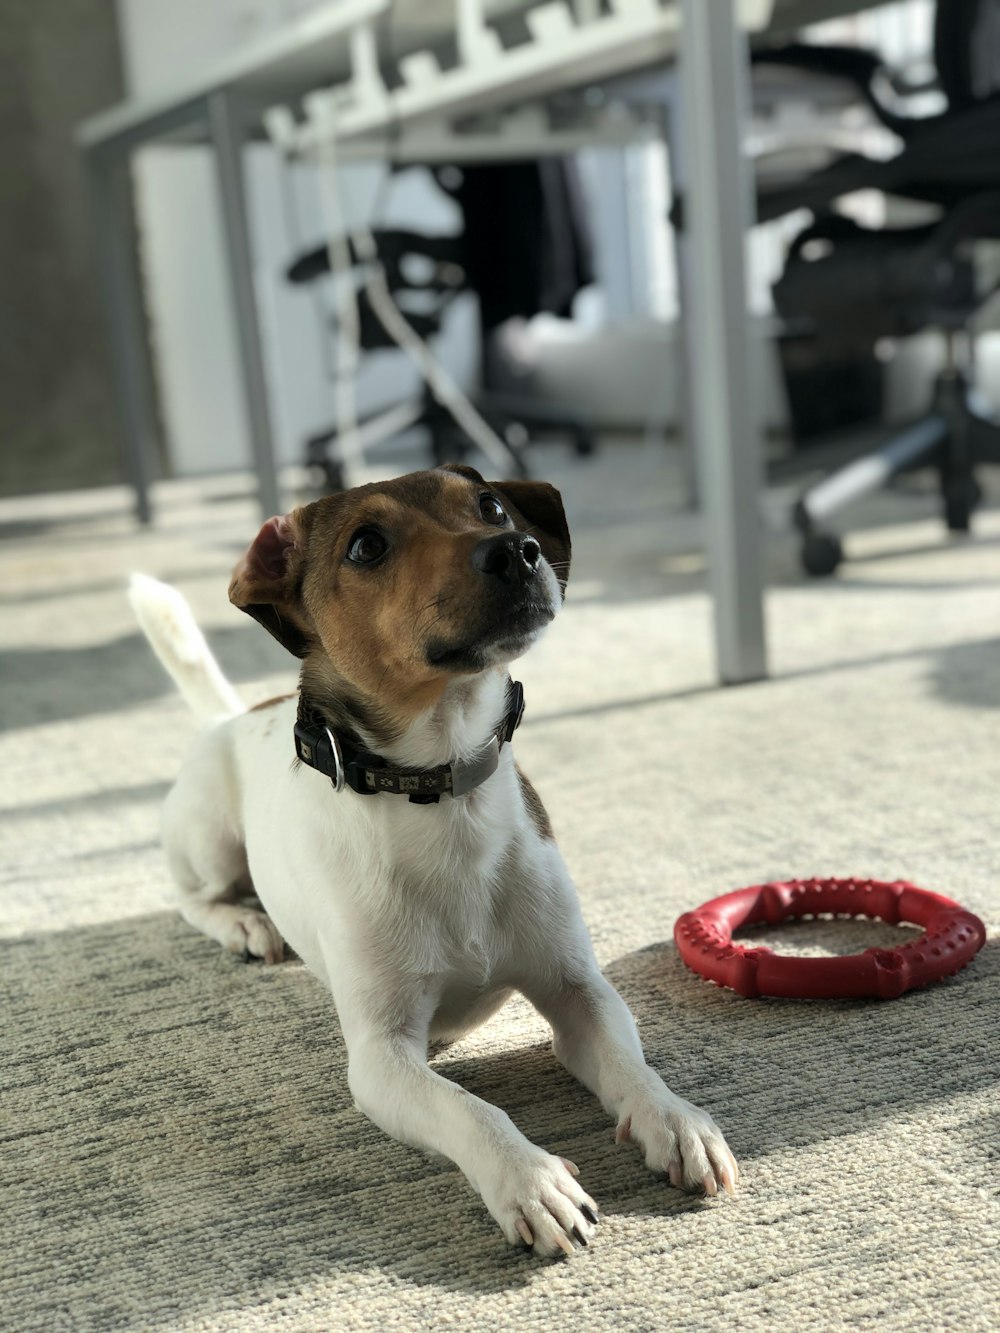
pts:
[327, 478]
[821, 554]
[326, 472]
[961, 497]
[330, 478]
[583, 442]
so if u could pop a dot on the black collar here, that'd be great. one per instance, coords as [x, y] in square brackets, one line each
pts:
[347, 765]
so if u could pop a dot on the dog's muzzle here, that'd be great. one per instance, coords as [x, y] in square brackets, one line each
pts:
[504, 608]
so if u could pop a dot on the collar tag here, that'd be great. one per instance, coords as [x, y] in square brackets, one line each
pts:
[467, 774]
[515, 711]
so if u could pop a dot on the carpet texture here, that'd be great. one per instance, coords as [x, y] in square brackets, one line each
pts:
[179, 1147]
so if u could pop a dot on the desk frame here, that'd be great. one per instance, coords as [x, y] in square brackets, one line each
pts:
[713, 61]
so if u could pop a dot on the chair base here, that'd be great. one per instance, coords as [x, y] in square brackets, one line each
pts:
[952, 438]
[514, 421]
[448, 443]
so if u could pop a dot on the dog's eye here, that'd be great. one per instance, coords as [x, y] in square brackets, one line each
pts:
[366, 547]
[492, 510]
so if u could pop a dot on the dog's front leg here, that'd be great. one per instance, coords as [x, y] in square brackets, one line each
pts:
[595, 1037]
[533, 1195]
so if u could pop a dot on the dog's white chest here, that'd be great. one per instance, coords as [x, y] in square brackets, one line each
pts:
[420, 885]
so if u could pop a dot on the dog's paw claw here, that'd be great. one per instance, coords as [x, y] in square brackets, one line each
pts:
[684, 1144]
[539, 1203]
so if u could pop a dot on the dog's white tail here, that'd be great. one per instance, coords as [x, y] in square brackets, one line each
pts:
[168, 624]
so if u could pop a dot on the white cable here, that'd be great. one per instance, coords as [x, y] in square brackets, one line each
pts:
[441, 384]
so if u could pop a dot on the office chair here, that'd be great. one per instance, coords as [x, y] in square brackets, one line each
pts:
[893, 282]
[484, 259]
[424, 291]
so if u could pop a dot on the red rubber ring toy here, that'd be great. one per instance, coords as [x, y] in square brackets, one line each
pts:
[952, 937]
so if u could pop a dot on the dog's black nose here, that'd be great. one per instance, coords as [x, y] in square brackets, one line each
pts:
[511, 557]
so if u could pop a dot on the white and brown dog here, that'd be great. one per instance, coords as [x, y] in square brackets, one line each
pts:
[430, 887]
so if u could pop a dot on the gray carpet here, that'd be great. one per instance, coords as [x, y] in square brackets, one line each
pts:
[179, 1148]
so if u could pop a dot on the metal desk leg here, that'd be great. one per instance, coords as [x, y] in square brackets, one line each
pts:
[111, 198]
[717, 209]
[227, 138]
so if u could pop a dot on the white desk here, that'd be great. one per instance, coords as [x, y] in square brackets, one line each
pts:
[224, 103]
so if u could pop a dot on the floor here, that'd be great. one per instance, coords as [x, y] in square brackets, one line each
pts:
[181, 1149]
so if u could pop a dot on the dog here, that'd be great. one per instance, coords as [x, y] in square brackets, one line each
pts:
[397, 847]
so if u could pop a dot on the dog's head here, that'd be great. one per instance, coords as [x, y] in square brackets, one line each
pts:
[398, 586]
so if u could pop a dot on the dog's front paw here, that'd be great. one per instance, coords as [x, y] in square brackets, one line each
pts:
[681, 1142]
[538, 1202]
[254, 935]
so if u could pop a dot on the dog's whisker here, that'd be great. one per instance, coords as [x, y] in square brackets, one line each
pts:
[434, 606]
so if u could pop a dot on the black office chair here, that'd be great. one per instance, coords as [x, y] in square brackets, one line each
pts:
[425, 274]
[523, 249]
[894, 282]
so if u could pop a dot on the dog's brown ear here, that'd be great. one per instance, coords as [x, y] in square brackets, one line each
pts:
[541, 506]
[266, 584]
